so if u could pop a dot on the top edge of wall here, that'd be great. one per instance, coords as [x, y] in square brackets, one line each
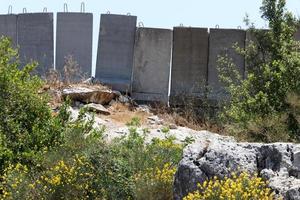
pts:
[227, 29]
[121, 15]
[29, 13]
[153, 28]
[189, 27]
[10, 14]
[88, 13]
[32, 13]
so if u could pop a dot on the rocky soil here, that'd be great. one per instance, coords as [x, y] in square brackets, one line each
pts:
[209, 154]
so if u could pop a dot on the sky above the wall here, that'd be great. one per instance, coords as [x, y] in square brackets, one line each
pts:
[158, 13]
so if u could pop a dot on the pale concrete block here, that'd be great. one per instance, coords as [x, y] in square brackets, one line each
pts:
[35, 39]
[115, 50]
[8, 27]
[152, 57]
[74, 37]
[189, 64]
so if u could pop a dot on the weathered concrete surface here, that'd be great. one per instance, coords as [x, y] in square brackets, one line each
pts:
[152, 56]
[115, 50]
[297, 35]
[221, 42]
[74, 37]
[8, 27]
[189, 63]
[35, 38]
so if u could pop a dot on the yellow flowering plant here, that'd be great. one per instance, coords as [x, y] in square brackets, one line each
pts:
[237, 187]
[63, 179]
[155, 183]
[13, 182]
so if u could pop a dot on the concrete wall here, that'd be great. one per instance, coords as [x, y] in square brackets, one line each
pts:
[35, 38]
[297, 35]
[128, 56]
[74, 37]
[8, 27]
[189, 63]
[220, 43]
[115, 50]
[152, 56]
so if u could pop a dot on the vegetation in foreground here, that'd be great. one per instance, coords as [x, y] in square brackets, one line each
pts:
[242, 186]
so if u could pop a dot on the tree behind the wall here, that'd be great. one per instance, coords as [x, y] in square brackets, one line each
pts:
[260, 107]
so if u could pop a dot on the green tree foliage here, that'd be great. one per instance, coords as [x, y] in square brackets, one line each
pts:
[26, 124]
[272, 74]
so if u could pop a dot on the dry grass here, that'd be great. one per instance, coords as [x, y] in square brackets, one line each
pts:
[71, 74]
[122, 113]
[187, 117]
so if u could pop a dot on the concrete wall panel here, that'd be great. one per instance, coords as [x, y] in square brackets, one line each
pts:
[297, 35]
[115, 50]
[74, 37]
[35, 38]
[221, 42]
[151, 71]
[189, 63]
[8, 27]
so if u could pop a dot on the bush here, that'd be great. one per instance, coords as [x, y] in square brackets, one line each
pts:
[273, 71]
[86, 166]
[243, 186]
[155, 183]
[27, 126]
[61, 181]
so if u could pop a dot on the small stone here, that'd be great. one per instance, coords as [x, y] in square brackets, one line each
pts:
[117, 93]
[97, 108]
[172, 126]
[123, 99]
[112, 102]
[156, 120]
[144, 108]
[89, 81]
[77, 104]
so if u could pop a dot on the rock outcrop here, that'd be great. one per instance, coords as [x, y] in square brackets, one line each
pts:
[279, 163]
[89, 94]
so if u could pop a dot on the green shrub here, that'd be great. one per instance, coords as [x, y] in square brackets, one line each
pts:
[135, 121]
[86, 166]
[155, 183]
[151, 164]
[273, 71]
[26, 122]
